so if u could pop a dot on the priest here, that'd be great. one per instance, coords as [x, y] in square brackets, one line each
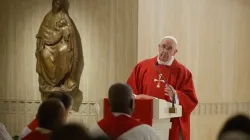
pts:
[120, 125]
[165, 78]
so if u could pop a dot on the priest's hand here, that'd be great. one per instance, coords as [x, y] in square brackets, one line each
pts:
[168, 91]
[143, 96]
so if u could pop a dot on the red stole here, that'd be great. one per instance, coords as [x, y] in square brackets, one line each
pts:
[33, 125]
[36, 135]
[114, 127]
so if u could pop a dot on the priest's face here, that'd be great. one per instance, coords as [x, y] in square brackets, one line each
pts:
[167, 49]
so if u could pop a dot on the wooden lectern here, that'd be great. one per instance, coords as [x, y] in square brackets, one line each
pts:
[154, 112]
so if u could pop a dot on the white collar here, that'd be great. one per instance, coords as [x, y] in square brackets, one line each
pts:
[116, 114]
[43, 130]
[168, 63]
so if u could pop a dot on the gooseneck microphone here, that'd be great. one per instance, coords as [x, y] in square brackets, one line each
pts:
[173, 99]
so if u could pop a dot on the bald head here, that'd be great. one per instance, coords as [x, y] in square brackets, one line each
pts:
[121, 98]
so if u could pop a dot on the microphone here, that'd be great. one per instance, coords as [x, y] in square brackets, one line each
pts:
[173, 99]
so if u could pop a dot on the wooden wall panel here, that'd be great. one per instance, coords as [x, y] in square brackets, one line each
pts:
[212, 39]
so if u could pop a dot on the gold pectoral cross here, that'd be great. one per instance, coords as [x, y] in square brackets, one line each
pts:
[159, 80]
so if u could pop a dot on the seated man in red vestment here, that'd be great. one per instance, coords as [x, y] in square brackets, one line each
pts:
[51, 115]
[67, 101]
[120, 125]
[165, 78]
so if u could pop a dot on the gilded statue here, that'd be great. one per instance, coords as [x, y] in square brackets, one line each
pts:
[57, 51]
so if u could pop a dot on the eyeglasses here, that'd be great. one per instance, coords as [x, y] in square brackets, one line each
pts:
[168, 48]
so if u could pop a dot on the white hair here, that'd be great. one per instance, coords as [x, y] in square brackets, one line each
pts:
[172, 38]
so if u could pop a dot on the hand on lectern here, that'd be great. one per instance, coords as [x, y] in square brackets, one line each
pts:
[143, 96]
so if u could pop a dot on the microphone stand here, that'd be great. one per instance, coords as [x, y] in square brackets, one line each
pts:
[171, 109]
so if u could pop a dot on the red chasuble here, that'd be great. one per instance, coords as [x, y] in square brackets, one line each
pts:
[29, 128]
[145, 80]
[33, 125]
[114, 127]
[36, 135]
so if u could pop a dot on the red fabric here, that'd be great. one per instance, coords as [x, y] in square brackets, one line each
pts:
[179, 77]
[114, 127]
[33, 125]
[35, 135]
[143, 110]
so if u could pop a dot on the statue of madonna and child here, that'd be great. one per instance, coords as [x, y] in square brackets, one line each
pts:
[58, 53]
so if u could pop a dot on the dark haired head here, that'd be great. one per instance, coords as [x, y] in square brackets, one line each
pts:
[71, 132]
[65, 98]
[236, 126]
[51, 114]
[121, 98]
